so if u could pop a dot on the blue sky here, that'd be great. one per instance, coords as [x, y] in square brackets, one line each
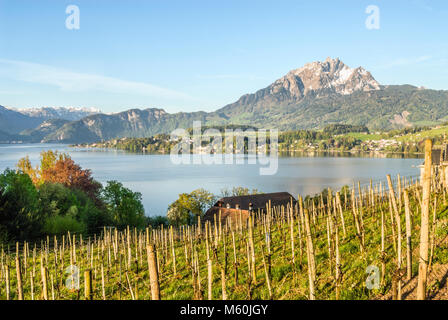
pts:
[200, 55]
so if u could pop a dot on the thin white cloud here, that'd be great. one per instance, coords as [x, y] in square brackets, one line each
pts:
[70, 81]
[405, 62]
[230, 76]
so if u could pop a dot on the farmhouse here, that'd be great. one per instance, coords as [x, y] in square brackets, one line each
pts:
[234, 207]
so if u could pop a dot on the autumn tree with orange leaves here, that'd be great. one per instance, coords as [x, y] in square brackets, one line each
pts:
[60, 168]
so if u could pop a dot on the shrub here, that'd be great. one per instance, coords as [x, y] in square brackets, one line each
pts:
[58, 225]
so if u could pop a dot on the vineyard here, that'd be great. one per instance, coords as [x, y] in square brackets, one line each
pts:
[368, 242]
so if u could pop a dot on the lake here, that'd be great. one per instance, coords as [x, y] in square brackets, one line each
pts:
[160, 181]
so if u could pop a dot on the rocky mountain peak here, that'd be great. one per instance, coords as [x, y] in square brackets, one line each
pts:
[315, 79]
[329, 76]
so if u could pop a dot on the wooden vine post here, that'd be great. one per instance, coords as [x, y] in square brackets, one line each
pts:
[209, 264]
[338, 203]
[252, 249]
[424, 229]
[338, 273]
[19, 278]
[44, 283]
[7, 282]
[88, 291]
[408, 236]
[398, 225]
[153, 274]
[311, 257]
[266, 273]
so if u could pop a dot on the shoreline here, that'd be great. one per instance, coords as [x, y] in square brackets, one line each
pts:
[361, 152]
[304, 151]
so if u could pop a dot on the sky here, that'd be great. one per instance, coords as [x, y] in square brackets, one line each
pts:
[192, 55]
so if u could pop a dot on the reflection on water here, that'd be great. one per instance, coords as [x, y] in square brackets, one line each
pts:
[160, 181]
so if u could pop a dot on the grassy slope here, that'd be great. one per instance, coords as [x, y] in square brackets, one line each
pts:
[416, 137]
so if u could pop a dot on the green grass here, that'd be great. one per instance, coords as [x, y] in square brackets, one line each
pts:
[364, 136]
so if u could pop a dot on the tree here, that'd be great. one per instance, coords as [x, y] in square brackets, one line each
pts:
[125, 206]
[24, 165]
[47, 160]
[189, 206]
[204, 199]
[177, 214]
[19, 214]
[238, 191]
[59, 168]
[66, 172]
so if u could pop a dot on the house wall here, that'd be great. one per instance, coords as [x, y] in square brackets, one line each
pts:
[226, 214]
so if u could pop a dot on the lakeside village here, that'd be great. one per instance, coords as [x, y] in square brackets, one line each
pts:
[163, 144]
[368, 145]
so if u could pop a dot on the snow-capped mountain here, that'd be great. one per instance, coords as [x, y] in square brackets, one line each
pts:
[64, 113]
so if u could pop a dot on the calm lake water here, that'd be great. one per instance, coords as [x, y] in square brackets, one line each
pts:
[160, 181]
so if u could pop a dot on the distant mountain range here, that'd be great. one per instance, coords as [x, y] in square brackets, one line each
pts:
[318, 94]
[32, 125]
[69, 113]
